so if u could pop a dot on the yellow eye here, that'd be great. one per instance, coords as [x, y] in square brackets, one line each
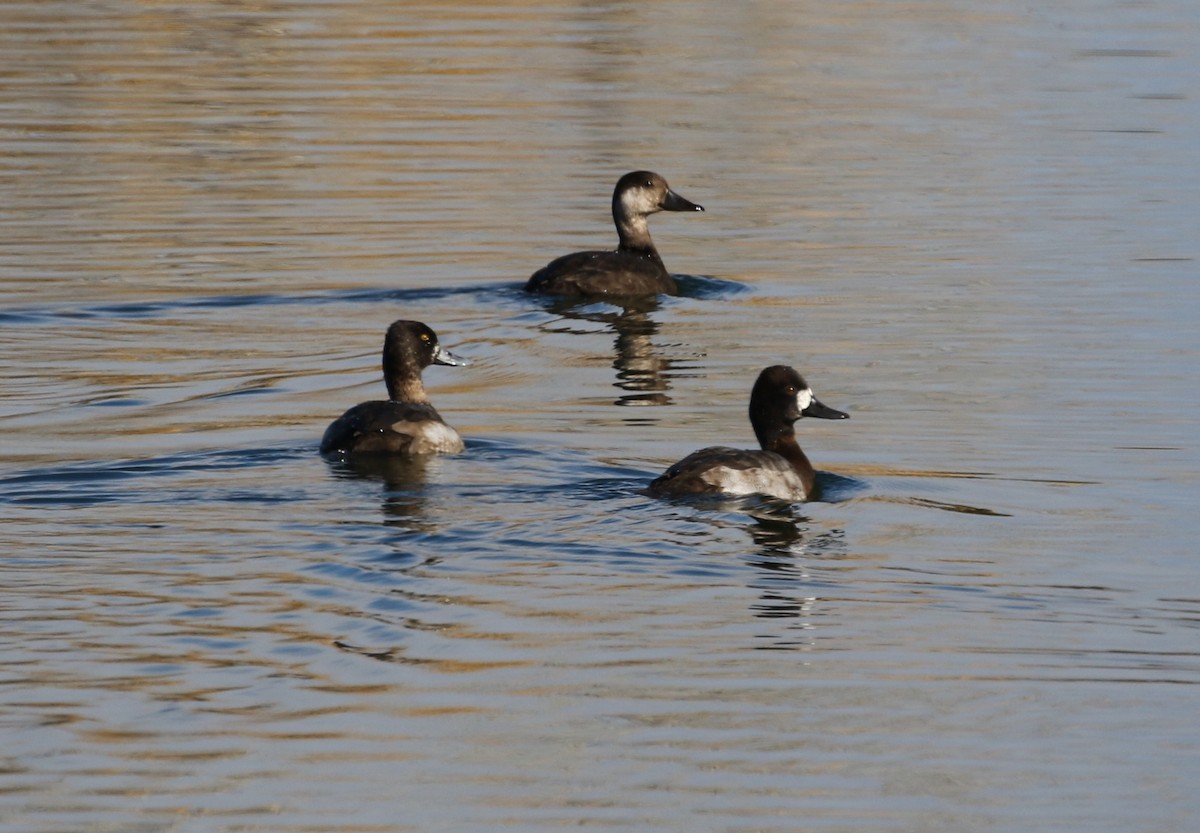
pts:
[425, 337]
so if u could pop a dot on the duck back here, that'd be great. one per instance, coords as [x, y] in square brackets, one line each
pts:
[635, 267]
[603, 273]
[391, 427]
[736, 471]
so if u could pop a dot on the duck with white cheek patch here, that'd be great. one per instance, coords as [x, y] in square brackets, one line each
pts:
[780, 469]
[406, 423]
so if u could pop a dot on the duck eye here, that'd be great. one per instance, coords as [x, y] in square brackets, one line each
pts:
[425, 337]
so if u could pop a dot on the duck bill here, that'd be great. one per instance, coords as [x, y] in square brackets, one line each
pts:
[674, 202]
[444, 356]
[818, 410]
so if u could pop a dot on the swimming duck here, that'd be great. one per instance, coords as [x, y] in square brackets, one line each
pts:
[406, 423]
[780, 469]
[635, 267]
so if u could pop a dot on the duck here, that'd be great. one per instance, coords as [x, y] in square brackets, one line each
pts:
[406, 423]
[634, 268]
[780, 469]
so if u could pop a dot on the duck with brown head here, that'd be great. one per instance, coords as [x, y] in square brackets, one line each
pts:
[635, 267]
[406, 423]
[780, 469]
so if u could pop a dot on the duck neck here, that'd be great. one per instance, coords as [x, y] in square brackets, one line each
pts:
[782, 441]
[634, 235]
[400, 386]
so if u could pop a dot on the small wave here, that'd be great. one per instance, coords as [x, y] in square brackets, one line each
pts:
[35, 315]
[82, 484]
[707, 287]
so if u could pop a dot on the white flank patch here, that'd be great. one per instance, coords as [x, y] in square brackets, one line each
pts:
[430, 437]
[784, 484]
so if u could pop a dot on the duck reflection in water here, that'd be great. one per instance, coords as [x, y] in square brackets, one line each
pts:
[642, 370]
[404, 495]
[785, 558]
[786, 553]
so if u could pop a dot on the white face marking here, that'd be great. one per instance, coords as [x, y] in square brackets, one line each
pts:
[639, 201]
[804, 398]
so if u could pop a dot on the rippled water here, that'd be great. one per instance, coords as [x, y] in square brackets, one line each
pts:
[972, 226]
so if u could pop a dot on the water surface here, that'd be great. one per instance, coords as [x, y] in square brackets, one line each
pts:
[971, 226]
